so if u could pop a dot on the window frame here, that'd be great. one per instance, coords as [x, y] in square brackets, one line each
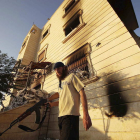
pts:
[75, 30]
[43, 32]
[67, 5]
[92, 73]
[45, 54]
[33, 30]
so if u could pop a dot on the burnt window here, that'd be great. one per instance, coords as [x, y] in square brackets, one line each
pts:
[70, 5]
[45, 34]
[80, 68]
[78, 62]
[72, 25]
[41, 56]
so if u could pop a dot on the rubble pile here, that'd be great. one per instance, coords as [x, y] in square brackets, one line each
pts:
[26, 96]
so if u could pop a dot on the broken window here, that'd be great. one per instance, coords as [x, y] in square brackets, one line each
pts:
[78, 62]
[80, 68]
[72, 25]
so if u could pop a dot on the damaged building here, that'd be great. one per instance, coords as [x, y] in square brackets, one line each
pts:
[96, 40]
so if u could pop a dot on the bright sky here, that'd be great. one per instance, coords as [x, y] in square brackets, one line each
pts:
[17, 17]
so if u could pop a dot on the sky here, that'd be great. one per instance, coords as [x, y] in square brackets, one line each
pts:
[18, 16]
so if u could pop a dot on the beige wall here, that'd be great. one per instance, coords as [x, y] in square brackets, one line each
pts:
[29, 52]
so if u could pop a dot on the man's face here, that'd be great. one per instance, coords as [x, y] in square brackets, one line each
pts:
[59, 71]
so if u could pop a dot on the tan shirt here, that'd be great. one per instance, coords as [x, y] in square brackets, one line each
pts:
[69, 97]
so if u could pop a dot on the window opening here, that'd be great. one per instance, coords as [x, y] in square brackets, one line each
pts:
[80, 67]
[72, 25]
[33, 31]
[78, 63]
[45, 34]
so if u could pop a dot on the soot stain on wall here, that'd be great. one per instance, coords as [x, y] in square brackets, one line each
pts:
[117, 102]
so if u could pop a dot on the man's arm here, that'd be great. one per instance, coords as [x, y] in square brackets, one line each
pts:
[86, 118]
[52, 97]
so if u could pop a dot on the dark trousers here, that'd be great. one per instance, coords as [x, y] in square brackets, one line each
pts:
[69, 127]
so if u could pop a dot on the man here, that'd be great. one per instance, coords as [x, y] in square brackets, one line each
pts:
[71, 89]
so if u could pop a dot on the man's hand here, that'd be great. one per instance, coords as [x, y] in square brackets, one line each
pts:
[87, 122]
[86, 118]
[53, 97]
[52, 104]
